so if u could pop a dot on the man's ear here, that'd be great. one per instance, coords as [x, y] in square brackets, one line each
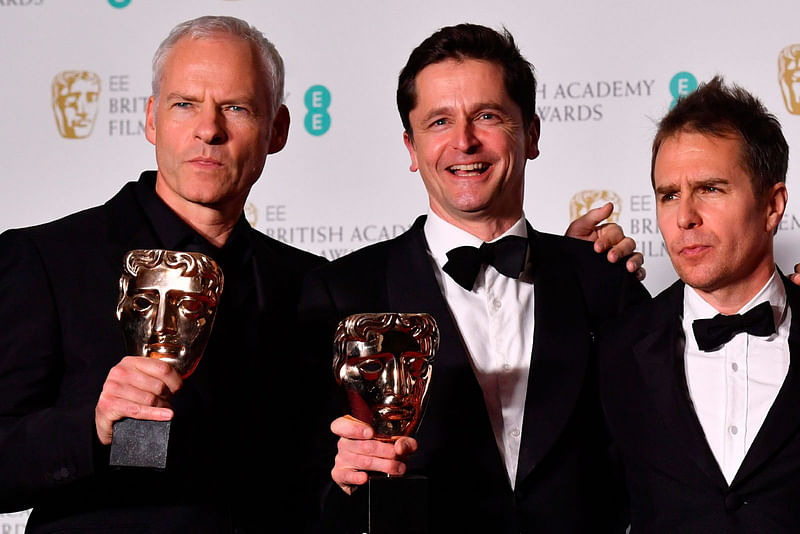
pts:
[409, 142]
[532, 148]
[279, 130]
[150, 120]
[775, 205]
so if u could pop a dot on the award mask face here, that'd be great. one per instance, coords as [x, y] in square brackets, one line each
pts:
[167, 304]
[383, 360]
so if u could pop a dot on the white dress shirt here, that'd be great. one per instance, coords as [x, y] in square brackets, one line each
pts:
[496, 323]
[734, 387]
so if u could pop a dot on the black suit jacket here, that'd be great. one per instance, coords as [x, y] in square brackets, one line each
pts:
[58, 339]
[565, 481]
[675, 483]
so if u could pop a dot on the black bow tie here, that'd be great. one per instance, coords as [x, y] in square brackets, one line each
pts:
[715, 332]
[507, 255]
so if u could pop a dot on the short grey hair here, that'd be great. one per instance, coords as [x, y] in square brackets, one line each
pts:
[213, 26]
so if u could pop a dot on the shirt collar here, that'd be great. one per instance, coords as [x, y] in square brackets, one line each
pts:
[443, 236]
[174, 234]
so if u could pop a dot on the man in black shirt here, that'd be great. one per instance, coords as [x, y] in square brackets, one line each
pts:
[215, 114]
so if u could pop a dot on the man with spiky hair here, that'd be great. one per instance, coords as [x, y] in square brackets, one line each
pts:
[700, 385]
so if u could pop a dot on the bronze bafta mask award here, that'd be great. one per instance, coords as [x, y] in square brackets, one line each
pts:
[383, 361]
[167, 304]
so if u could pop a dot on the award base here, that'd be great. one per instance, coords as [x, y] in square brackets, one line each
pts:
[398, 505]
[140, 443]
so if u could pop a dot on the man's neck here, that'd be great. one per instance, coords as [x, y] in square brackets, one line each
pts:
[732, 298]
[214, 224]
[485, 228]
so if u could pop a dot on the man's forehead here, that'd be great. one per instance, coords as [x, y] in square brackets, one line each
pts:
[162, 277]
[445, 70]
[461, 82]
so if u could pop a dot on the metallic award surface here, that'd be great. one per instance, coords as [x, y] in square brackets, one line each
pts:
[383, 360]
[167, 304]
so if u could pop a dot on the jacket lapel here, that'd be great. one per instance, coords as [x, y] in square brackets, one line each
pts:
[411, 285]
[455, 400]
[660, 358]
[561, 347]
[783, 418]
[127, 227]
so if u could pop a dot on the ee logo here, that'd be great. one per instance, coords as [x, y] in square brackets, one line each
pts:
[317, 101]
[681, 84]
[119, 4]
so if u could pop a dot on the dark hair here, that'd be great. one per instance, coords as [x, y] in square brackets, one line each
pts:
[470, 41]
[730, 111]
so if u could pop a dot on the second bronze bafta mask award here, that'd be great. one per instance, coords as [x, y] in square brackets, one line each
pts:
[167, 304]
[383, 361]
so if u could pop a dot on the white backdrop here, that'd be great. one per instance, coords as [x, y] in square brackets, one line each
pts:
[605, 71]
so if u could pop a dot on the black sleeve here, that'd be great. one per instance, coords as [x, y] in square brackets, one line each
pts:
[44, 443]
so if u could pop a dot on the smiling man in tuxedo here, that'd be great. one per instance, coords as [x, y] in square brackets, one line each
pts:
[512, 439]
[700, 385]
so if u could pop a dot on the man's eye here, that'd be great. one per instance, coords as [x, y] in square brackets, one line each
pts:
[439, 122]
[237, 108]
[181, 105]
[488, 116]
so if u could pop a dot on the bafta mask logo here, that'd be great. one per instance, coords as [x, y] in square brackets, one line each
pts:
[789, 77]
[583, 201]
[75, 102]
[167, 304]
[383, 360]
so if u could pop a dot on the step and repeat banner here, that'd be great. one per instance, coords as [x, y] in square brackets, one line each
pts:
[76, 78]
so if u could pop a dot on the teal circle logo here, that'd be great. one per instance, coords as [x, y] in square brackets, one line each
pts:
[317, 100]
[119, 4]
[680, 85]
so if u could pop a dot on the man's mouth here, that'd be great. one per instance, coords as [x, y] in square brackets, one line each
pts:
[469, 169]
[205, 162]
[693, 250]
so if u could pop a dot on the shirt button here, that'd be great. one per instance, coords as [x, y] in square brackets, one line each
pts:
[515, 433]
[506, 368]
[496, 304]
[733, 430]
[735, 366]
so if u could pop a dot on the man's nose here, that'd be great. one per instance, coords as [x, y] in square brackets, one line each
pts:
[210, 127]
[464, 138]
[688, 216]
